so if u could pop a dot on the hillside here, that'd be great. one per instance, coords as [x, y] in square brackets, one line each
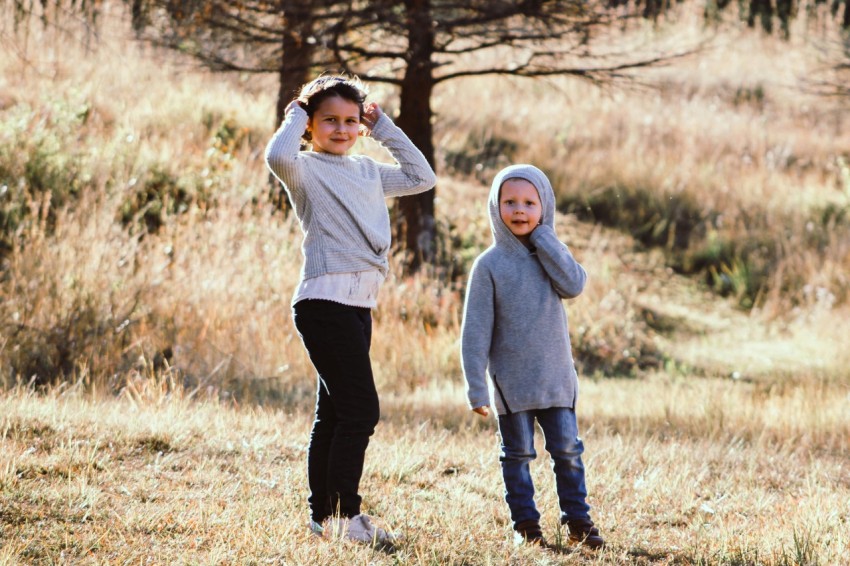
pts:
[157, 398]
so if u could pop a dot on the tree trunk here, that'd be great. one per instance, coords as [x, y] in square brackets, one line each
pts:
[785, 11]
[763, 11]
[415, 222]
[297, 55]
[845, 22]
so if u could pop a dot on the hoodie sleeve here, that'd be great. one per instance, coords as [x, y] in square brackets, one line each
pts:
[566, 274]
[412, 174]
[476, 334]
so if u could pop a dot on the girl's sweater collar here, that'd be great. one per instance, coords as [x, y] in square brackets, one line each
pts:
[330, 157]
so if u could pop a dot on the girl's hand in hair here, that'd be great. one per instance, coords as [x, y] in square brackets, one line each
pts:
[291, 105]
[371, 113]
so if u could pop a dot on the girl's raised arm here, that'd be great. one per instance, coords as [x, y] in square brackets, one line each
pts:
[283, 149]
[412, 174]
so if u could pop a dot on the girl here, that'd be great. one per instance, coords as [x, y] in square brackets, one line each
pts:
[339, 201]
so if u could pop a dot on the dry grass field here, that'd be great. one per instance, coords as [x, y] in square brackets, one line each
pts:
[681, 471]
[146, 285]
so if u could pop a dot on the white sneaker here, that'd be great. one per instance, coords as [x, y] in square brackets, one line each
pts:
[315, 528]
[358, 528]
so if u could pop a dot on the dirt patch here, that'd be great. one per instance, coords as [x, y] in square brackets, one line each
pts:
[155, 443]
[32, 432]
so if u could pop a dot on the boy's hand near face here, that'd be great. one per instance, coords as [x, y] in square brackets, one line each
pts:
[483, 411]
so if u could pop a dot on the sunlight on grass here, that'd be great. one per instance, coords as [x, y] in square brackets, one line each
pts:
[157, 399]
[684, 470]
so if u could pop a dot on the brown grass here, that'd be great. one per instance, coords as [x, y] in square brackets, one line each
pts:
[679, 471]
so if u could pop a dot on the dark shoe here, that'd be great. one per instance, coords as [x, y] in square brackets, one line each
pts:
[528, 532]
[583, 532]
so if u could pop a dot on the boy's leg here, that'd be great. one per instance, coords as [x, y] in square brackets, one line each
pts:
[517, 434]
[337, 338]
[560, 431]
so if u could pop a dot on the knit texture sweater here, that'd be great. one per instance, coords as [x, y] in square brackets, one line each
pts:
[339, 199]
[514, 323]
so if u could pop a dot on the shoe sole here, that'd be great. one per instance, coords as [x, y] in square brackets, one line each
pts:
[586, 544]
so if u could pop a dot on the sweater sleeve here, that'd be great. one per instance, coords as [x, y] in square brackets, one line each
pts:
[477, 334]
[283, 149]
[566, 274]
[412, 174]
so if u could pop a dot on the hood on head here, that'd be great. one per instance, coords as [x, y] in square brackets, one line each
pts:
[501, 233]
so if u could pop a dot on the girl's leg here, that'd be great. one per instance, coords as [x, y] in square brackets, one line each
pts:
[517, 433]
[560, 430]
[321, 438]
[337, 338]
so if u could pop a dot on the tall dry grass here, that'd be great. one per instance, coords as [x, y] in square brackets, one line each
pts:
[729, 448]
[207, 291]
[103, 127]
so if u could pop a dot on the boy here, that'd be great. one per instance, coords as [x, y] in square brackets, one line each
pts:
[515, 330]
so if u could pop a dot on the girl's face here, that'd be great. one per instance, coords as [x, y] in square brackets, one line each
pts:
[520, 208]
[334, 125]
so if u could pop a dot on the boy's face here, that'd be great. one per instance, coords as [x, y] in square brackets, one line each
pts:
[520, 208]
[334, 125]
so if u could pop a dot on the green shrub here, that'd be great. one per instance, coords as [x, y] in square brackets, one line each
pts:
[157, 196]
[480, 155]
[654, 219]
[41, 163]
[159, 193]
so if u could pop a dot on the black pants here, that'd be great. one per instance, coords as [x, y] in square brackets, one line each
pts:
[337, 338]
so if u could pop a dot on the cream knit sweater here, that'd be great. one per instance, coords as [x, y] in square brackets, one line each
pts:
[339, 199]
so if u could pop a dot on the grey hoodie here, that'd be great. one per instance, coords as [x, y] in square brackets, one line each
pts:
[514, 323]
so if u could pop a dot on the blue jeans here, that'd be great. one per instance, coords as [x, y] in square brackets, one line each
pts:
[560, 431]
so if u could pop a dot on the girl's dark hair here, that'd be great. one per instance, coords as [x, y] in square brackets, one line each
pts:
[326, 86]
